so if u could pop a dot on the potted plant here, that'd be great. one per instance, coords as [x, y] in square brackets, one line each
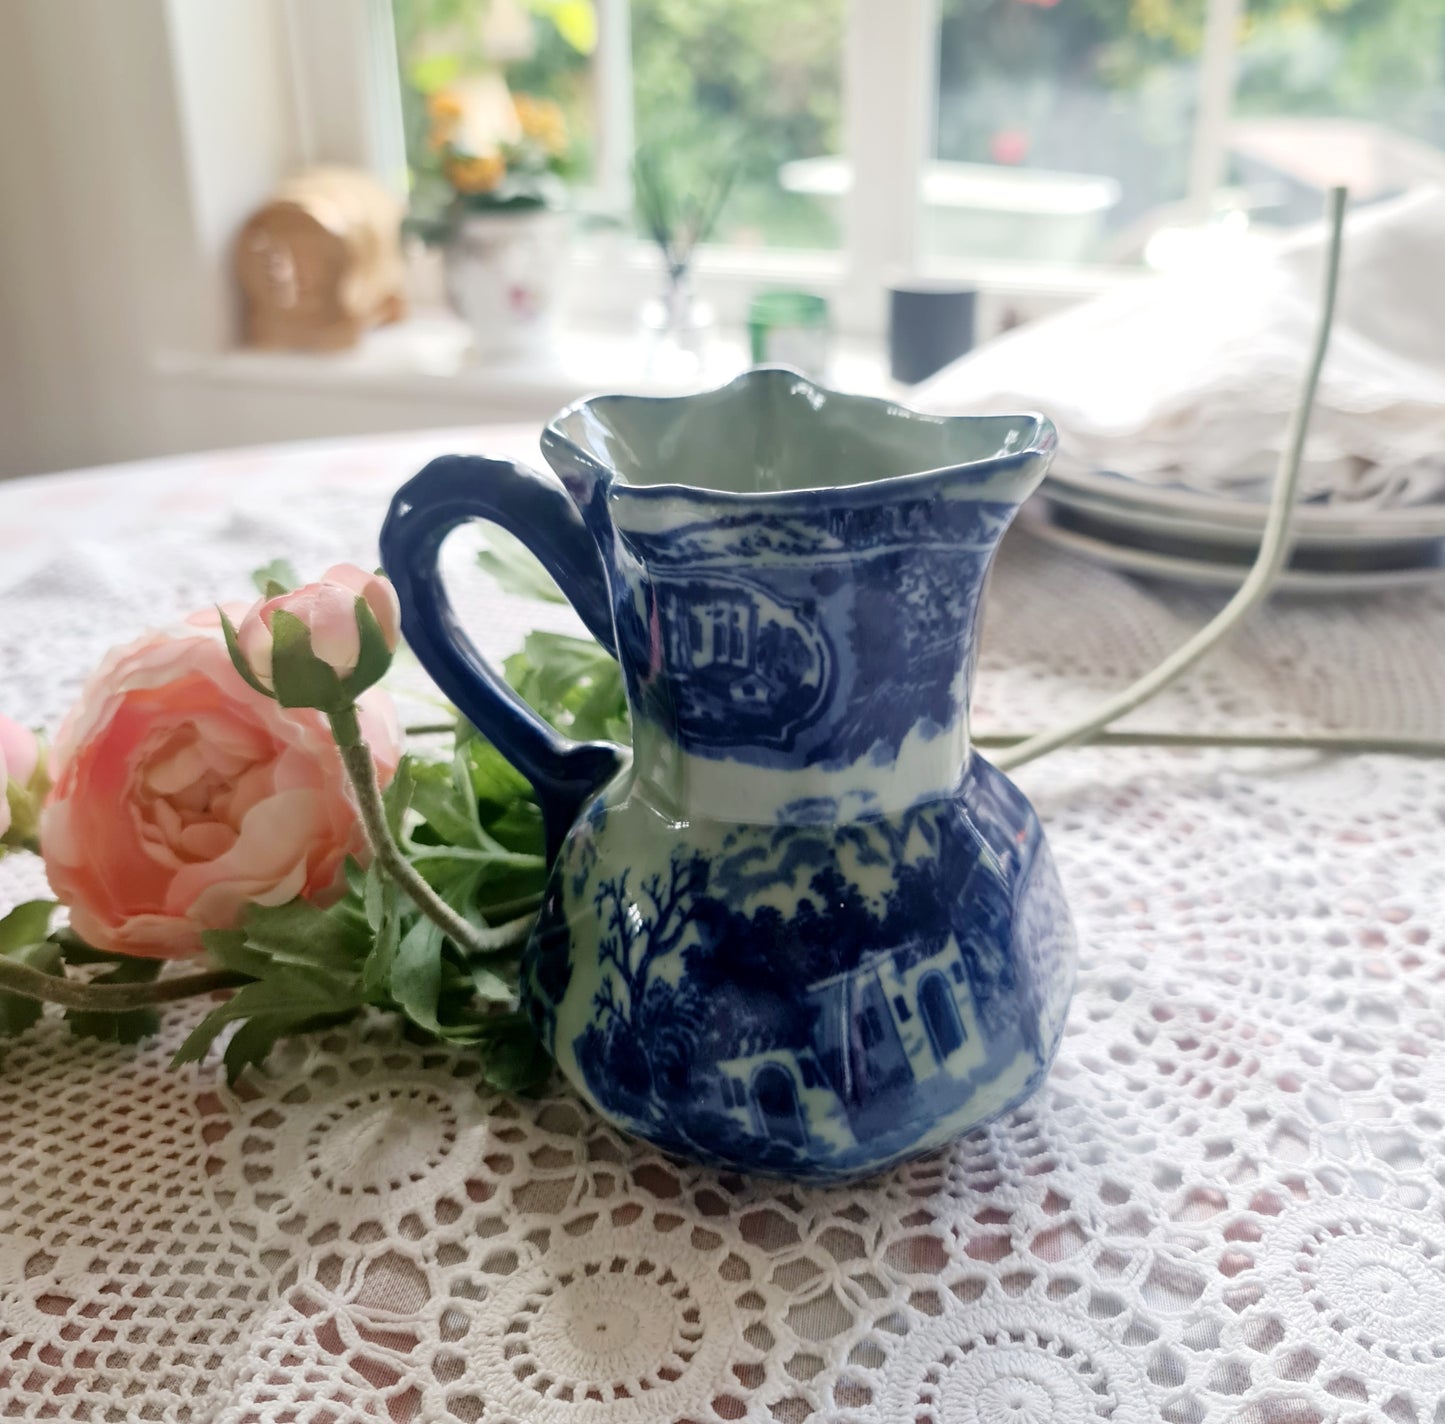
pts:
[504, 228]
[494, 95]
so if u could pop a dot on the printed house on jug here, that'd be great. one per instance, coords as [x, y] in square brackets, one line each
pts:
[902, 1022]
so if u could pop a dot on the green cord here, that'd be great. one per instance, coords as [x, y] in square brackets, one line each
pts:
[1359, 743]
[1273, 548]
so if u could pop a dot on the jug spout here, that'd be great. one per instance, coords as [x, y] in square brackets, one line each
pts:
[796, 579]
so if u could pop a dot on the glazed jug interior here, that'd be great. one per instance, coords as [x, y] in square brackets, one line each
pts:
[779, 433]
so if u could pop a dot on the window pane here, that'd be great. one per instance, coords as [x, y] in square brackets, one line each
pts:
[752, 82]
[1349, 91]
[1061, 124]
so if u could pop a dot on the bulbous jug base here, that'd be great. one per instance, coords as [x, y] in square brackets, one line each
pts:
[813, 1001]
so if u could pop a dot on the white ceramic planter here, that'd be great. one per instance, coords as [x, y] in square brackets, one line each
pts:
[506, 275]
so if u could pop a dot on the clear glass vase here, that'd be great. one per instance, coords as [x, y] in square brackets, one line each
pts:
[677, 327]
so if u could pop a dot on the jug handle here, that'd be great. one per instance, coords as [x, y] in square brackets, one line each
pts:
[449, 492]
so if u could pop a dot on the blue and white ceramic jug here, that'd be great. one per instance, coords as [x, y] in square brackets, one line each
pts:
[802, 929]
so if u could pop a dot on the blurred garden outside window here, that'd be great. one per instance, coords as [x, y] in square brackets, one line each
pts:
[747, 84]
[964, 136]
[1077, 130]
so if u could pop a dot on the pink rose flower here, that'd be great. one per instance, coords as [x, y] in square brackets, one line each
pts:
[181, 795]
[328, 609]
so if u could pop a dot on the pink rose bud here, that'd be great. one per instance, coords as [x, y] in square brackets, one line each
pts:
[322, 644]
[19, 751]
[22, 782]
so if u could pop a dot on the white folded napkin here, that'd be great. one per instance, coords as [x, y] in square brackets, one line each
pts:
[1188, 378]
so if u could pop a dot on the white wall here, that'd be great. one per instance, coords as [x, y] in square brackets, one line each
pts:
[120, 188]
[92, 213]
[135, 137]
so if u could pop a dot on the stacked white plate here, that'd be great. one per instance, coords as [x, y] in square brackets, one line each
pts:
[1176, 533]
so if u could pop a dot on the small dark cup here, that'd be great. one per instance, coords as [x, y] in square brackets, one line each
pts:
[929, 325]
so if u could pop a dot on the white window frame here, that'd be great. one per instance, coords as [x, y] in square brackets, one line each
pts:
[347, 101]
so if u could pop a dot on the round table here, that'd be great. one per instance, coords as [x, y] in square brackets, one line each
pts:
[1228, 1203]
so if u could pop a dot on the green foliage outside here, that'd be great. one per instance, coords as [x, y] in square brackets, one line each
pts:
[750, 82]
[1110, 86]
[757, 79]
[1086, 86]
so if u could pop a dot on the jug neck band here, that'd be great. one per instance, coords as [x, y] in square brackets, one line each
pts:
[683, 786]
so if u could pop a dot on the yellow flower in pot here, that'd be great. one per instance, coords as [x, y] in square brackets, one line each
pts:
[542, 123]
[476, 173]
[503, 157]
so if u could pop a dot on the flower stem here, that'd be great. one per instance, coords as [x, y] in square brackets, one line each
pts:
[361, 768]
[30, 983]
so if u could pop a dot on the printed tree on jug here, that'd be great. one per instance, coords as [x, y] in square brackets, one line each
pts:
[642, 1025]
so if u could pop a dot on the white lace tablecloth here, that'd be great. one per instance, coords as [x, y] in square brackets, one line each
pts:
[1228, 1203]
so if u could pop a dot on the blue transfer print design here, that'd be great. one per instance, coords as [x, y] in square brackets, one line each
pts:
[810, 640]
[851, 1031]
[799, 929]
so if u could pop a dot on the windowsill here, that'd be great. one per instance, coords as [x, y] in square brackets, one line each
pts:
[430, 355]
[428, 360]
[425, 368]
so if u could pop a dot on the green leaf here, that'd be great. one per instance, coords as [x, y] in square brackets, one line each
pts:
[573, 682]
[17, 1013]
[301, 678]
[466, 799]
[496, 783]
[23, 939]
[299, 933]
[516, 569]
[435, 798]
[275, 578]
[490, 856]
[373, 660]
[253, 1042]
[476, 837]
[238, 660]
[599, 713]
[383, 913]
[74, 950]
[26, 924]
[466, 878]
[374, 896]
[491, 987]
[520, 828]
[416, 974]
[228, 949]
[396, 799]
[356, 875]
[287, 1003]
[514, 1060]
[129, 1027]
[23, 803]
